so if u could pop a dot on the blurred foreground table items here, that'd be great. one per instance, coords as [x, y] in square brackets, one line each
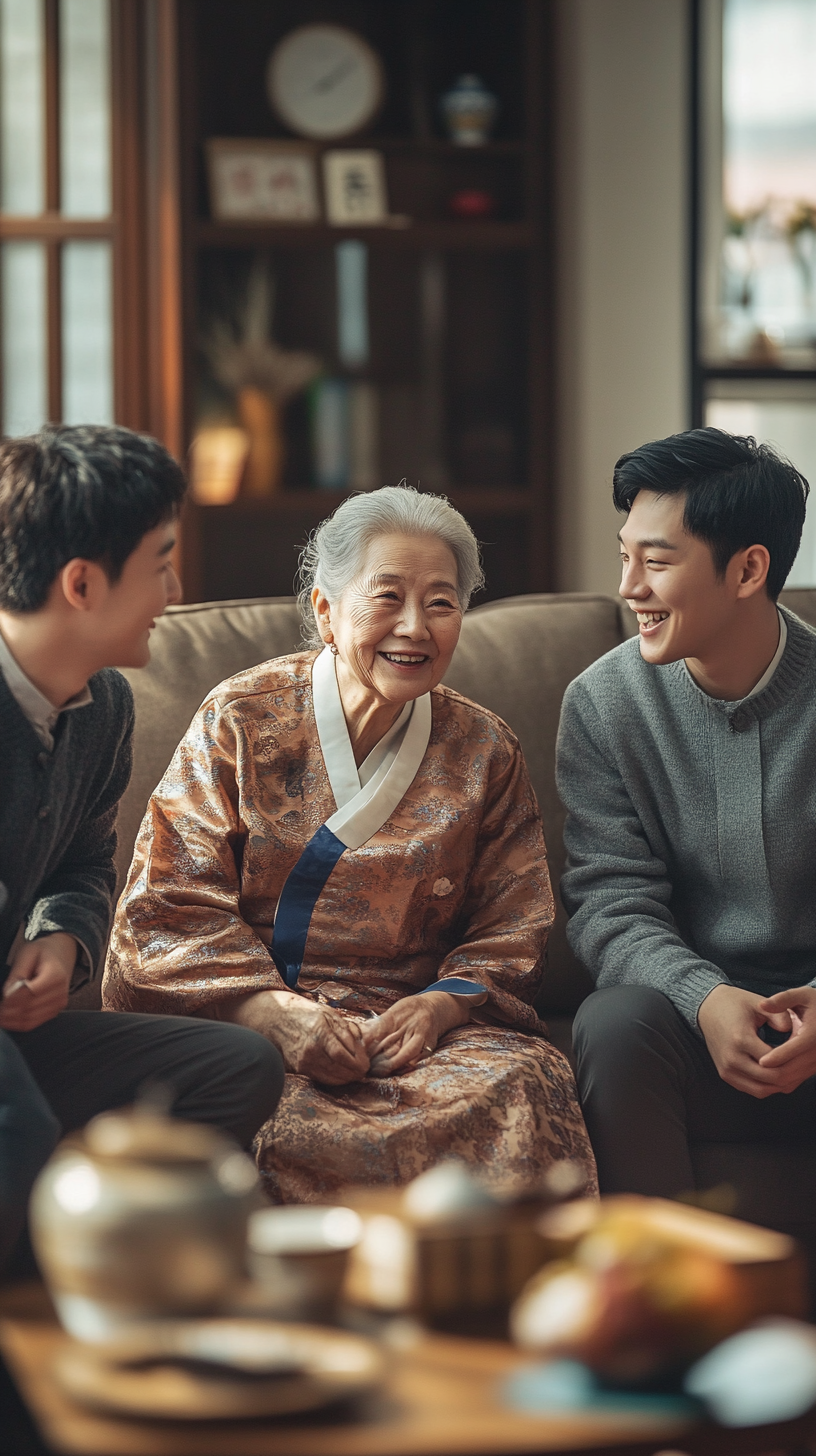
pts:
[141, 1216]
[447, 1251]
[440, 1397]
[636, 1289]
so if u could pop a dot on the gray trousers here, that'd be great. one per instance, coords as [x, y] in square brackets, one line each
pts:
[649, 1088]
[54, 1079]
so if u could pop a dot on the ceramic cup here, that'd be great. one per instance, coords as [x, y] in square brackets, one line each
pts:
[298, 1255]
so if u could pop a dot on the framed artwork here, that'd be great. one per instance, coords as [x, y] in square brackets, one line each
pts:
[354, 186]
[264, 181]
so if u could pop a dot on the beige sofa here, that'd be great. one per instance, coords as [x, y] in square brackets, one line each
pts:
[515, 656]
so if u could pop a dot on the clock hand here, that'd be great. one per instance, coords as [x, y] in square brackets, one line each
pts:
[341, 70]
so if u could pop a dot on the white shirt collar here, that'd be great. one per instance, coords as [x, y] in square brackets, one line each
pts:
[775, 660]
[38, 709]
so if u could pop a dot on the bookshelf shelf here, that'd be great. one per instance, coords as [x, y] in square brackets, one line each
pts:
[448, 236]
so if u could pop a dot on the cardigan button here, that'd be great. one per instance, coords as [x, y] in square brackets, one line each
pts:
[740, 721]
[43, 759]
[44, 811]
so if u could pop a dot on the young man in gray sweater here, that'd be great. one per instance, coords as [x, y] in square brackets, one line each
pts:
[87, 526]
[687, 765]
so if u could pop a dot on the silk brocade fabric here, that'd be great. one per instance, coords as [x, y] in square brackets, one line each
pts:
[454, 883]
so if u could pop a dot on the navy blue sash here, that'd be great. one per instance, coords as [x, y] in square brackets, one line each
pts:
[298, 898]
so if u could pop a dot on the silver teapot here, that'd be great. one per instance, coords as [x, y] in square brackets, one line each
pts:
[140, 1217]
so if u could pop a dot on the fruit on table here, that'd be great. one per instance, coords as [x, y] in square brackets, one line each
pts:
[649, 1286]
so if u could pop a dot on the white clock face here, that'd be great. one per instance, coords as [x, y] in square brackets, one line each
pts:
[324, 81]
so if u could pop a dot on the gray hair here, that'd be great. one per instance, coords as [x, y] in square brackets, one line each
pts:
[333, 554]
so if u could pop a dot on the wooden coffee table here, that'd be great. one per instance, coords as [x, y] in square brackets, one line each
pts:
[440, 1398]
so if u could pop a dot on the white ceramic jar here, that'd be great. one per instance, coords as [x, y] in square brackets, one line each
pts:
[141, 1216]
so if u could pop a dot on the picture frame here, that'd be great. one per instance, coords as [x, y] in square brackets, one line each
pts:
[260, 180]
[354, 188]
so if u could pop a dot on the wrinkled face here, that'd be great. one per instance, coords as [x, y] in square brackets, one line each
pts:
[668, 578]
[396, 626]
[147, 586]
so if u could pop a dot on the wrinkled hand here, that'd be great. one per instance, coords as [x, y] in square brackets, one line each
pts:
[409, 1030]
[794, 1061]
[38, 982]
[729, 1019]
[314, 1040]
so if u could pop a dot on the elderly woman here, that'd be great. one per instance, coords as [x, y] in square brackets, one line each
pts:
[348, 857]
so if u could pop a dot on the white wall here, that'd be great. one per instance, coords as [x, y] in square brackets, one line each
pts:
[622, 222]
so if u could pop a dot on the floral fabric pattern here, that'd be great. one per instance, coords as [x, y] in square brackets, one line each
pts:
[454, 884]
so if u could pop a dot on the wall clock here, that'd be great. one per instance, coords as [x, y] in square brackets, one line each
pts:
[325, 81]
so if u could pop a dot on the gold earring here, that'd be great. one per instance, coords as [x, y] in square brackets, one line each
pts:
[333, 646]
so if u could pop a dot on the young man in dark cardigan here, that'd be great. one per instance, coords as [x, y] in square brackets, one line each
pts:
[87, 527]
[686, 765]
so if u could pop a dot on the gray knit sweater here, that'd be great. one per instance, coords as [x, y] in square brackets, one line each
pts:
[58, 815]
[691, 826]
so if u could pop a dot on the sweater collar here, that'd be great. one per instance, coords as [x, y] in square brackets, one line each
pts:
[796, 661]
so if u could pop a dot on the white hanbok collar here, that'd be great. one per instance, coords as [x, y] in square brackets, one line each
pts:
[366, 798]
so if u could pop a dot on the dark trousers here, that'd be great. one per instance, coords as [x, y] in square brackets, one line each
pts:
[56, 1078]
[649, 1089]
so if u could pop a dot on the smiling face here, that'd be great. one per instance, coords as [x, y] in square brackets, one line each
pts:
[128, 608]
[668, 578]
[397, 624]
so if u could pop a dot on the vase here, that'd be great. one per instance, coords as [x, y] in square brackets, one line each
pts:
[469, 110]
[218, 456]
[261, 418]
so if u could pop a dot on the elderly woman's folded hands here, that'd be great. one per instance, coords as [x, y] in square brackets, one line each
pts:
[314, 1039]
[320, 1042]
[409, 1030]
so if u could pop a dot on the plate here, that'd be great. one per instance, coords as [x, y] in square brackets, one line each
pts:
[231, 1369]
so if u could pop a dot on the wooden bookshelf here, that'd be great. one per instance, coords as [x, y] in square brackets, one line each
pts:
[497, 237]
[498, 288]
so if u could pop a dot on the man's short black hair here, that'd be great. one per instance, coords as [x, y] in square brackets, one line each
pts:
[738, 494]
[91, 491]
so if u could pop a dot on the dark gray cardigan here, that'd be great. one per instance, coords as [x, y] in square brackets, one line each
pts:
[58, 815]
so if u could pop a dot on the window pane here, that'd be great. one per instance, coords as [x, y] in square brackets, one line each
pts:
[767, 302]
[22, 107]
[87, 334]
[790, 425]
[25, 368]
[85, 108]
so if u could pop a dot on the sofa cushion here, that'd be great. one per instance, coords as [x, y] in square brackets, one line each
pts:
[802, 601]
[517, 656]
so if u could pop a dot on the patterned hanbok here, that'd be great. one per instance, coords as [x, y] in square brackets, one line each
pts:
[267, 859]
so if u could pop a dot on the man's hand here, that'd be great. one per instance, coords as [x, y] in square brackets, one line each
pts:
[410, 1029]
[795, 1060]
[315, 1040]
[38, 982]
[729, 1020]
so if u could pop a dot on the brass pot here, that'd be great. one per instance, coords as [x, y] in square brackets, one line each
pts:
[138, 1217]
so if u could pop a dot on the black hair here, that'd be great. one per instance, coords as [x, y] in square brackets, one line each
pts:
[91, 491]
[738, 494]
